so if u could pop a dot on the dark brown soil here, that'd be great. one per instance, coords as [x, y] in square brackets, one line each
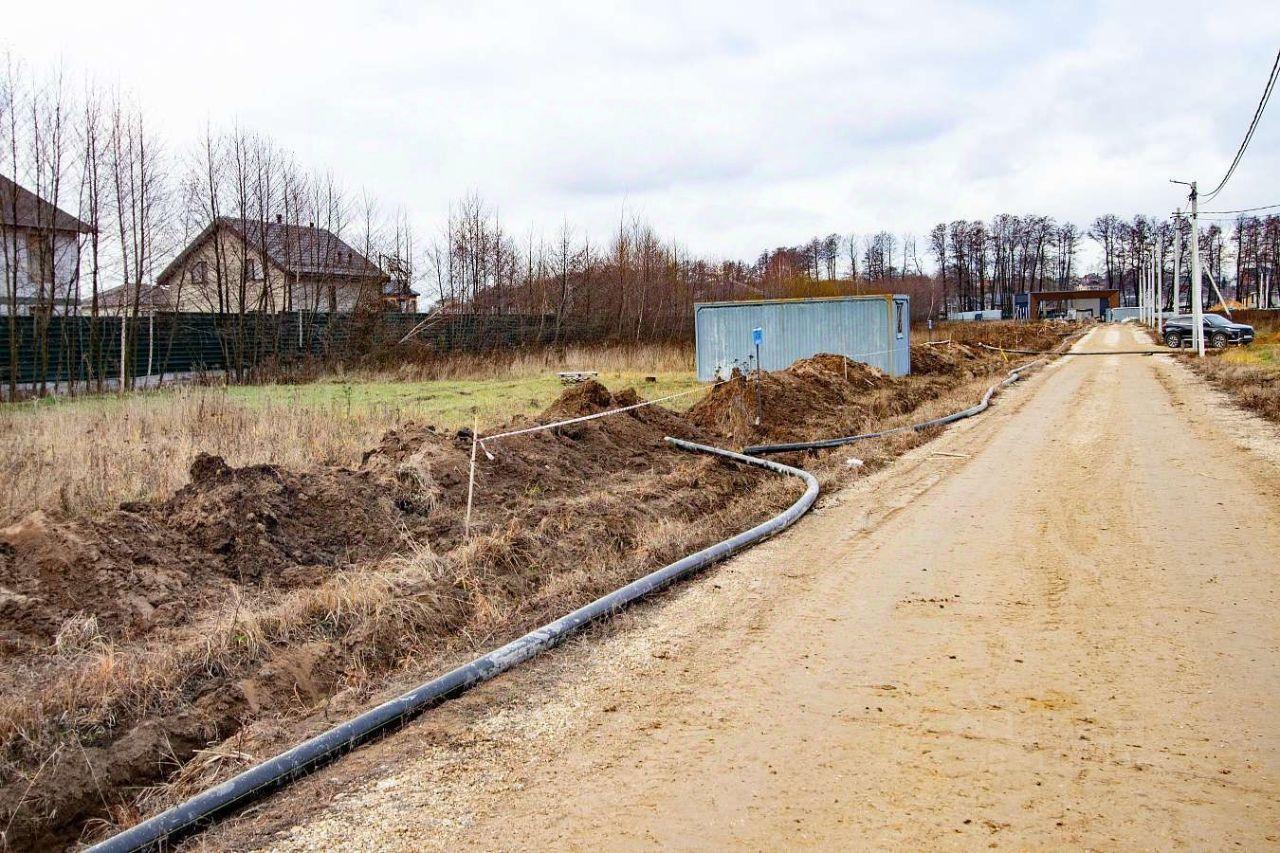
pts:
[137, 571]
[828, 395]
[560, 516]
[140, 567]
[946, 358]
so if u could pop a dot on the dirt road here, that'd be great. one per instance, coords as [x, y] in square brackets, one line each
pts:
[1058, 624]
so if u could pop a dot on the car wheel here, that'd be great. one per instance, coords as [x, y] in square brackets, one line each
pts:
[1172, 341]
[1219, 340]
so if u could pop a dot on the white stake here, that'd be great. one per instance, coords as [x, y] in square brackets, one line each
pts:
[471, 478]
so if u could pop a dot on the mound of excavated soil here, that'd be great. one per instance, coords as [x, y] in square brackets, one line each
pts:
[555, 511]
[525, 470]
[150, 565]
[147, 565]
[945, 359]
[817, 395]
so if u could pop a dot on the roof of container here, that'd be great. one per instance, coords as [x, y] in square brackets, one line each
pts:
[876, 296]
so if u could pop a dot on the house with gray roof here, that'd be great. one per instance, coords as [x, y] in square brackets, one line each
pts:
[246, 265]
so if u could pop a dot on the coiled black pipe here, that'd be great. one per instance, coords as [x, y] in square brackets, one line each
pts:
[277, 772]
[1014, 375]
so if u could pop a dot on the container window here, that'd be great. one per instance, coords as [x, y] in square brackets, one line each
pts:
[900, 318]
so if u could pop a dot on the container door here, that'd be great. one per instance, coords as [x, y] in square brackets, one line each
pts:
[901, 337]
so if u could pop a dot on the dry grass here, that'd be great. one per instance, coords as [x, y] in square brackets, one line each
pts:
[1251, 375]
[86, 455]
[403, 615]
[406, 614]
[523, 363]
[1002, 333]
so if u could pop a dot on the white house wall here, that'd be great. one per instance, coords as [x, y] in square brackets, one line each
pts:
[66, 256]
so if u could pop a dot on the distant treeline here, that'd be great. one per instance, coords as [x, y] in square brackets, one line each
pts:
[92, 152]
[638, 285]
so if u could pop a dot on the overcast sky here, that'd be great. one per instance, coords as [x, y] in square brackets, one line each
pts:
[731, 126]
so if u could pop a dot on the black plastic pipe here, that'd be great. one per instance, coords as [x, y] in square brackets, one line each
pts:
[1085, 352]
[766, 449]
[277, 772]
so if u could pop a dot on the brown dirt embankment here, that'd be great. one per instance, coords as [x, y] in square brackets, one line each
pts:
[133, 640]
[160, 647]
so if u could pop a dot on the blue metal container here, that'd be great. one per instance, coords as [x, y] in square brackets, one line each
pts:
[875, 330]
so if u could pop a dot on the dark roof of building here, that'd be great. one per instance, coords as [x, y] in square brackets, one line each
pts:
[1079, 293]
[34, 212]
[303, 250]
[151, 296]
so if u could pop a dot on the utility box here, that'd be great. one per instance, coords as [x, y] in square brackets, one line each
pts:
[874, 330]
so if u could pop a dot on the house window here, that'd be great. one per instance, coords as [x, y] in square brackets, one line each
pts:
[200, 273]
[39, 258]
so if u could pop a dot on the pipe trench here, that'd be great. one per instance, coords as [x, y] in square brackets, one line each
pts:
[982, 406]
[275, 773]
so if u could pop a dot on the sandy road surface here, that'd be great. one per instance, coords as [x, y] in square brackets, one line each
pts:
[1065, 632]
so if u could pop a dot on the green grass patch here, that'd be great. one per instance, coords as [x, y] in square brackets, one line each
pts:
[453, 404]
[1264, 352]
[449, 404]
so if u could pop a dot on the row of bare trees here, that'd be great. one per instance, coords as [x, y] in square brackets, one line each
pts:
[982, 265]
[635, 284]
[91, 151]
[1126, 245]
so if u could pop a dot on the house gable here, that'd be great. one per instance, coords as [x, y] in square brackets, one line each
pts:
[21, 208]
[279, 267]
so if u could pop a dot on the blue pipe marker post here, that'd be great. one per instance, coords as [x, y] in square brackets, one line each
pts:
[757, 338]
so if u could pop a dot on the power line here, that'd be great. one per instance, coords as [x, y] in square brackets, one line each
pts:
[1244, 144]
[1243, 209]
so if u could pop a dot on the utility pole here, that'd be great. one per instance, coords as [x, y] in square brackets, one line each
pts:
[1142, 295]
[1197, 320]
[1177, 259]
[1142, 288]
[1159, 260]
[1146, 289]
[1151, 288]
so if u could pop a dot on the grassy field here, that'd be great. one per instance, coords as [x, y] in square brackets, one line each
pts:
[84, 455]
[1264, 352]
[87, 454]
[452, 403]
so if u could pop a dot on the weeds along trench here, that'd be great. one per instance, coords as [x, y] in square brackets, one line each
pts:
[160, 649]
[942, 420]
[319, 750]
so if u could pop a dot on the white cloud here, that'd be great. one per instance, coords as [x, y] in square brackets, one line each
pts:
[733, 127]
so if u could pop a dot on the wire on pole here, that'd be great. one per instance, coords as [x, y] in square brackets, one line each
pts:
[1253, 125]
[1241, 210]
